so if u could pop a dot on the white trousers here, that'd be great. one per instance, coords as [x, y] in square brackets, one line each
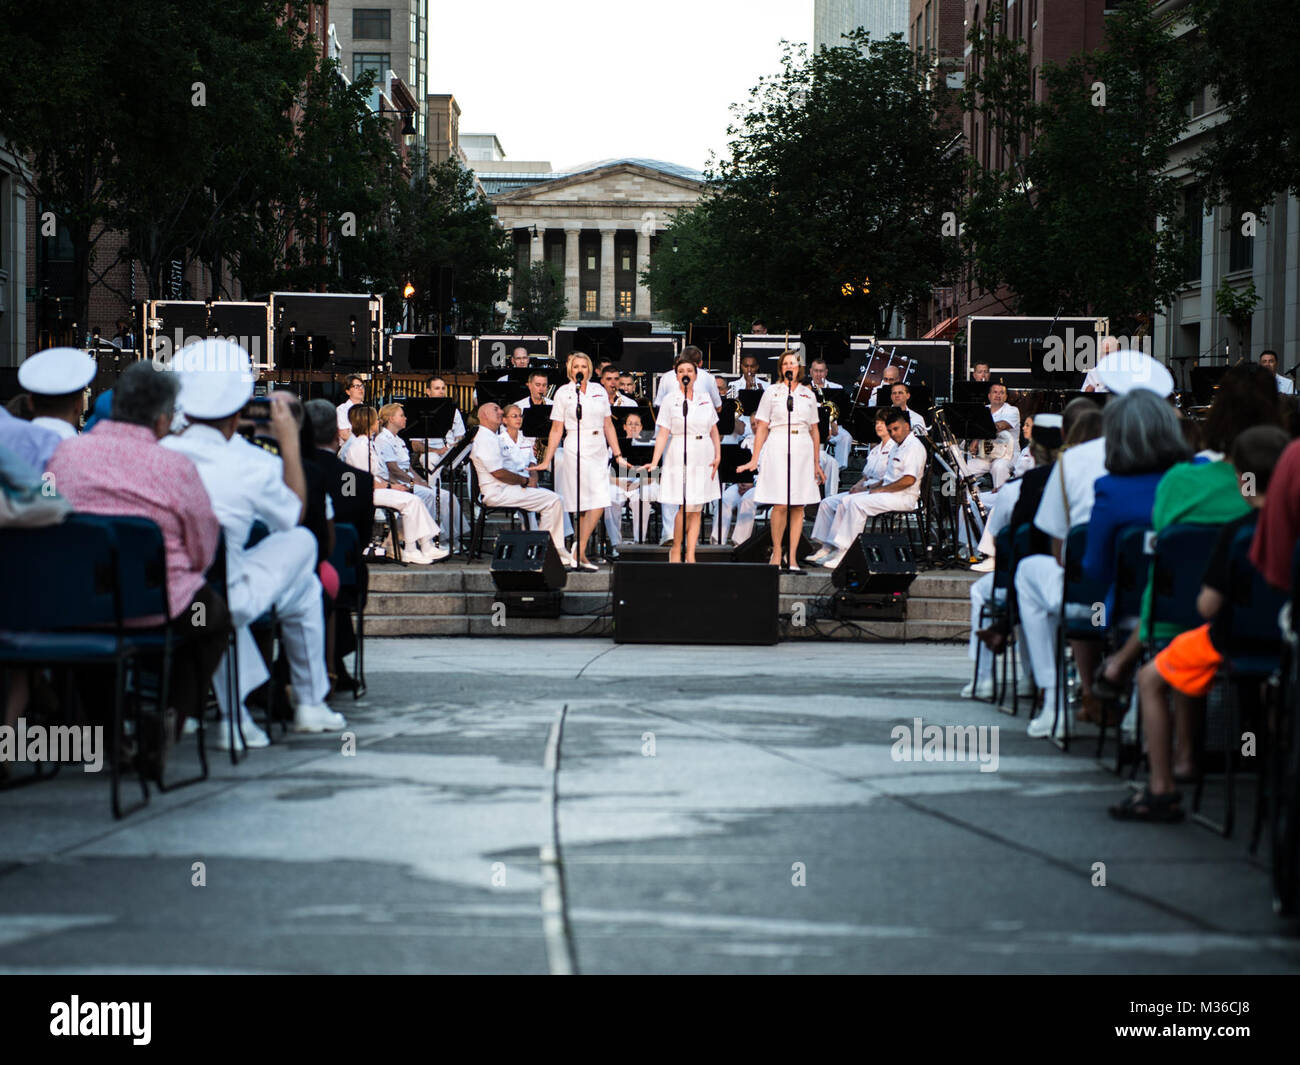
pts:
[746, 514]
[998, 469]
[540, 501]
[447, 506]
[844, 520]
[831, 471]
[416, 522]
[279, 571]
[1040, 584]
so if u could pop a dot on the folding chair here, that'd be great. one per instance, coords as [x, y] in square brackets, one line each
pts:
[1253, 654]
[142, 571]
[993, 610]
[1284, 746]
[1179, 554]
[346, 560]
[62, 606]
[481, 512]
[1132, 571]
[1077, 591]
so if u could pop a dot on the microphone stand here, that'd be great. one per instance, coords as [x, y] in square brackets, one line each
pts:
[686, 439]
[577, 517]
[789, 435]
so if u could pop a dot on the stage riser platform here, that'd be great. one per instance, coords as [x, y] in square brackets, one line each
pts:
[459, 599]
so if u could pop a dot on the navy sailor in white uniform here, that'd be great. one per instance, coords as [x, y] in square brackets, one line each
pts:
[772, 423]
[691, 449]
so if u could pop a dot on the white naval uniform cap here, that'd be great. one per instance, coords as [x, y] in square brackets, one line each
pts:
[216, 378]
[57, 372]
[1123, 371]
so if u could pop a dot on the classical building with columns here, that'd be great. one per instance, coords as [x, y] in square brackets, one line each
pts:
[598, 225]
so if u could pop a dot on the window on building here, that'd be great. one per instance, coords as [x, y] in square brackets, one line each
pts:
[591, 260]
[625, 259]
[1241, 238]
[1193, 210]
[625, 297]
[590, 303]
[377, 62]
[372, 23]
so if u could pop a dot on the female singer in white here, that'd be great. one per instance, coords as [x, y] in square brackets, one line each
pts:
[772, 422]
[691, 450]
[597, 442]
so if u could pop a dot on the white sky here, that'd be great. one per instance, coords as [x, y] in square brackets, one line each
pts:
[572, 81]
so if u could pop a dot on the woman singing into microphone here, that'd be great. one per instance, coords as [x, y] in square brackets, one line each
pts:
[788, 410]
[691, 449]
[590, 450]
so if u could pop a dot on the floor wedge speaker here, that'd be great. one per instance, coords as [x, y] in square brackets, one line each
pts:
[876, 564]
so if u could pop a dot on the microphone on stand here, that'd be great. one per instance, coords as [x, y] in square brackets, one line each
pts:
[579, 548]
[789, 428]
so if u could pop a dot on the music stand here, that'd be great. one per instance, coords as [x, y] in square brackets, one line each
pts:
[537, 422]
[620, 415]
[714, 341]
[502, 393]
[595, 343]
[749, 400]
[970, 421]
[971, 391]
[1098, 398]
[434, 416]
[734, 455]
[825, 344]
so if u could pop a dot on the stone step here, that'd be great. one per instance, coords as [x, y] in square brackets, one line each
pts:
[436, 578]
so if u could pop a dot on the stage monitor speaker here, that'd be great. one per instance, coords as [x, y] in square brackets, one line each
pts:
[527, 562]
[876, 564]
[758, 548]
[703, 603]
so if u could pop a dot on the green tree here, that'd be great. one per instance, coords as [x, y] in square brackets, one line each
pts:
[1245, 51]
[828, 212]
[539, 304]
[1074, 218]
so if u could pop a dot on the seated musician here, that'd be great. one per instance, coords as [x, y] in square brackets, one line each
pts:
[880, 395]
[980, 371]
[1091, 382]
[995, 456]
[899, 394]
[396, 463]
[840, 519]
[518, 361]
[748, 378]
[538, 383]
[500, 487]
[609, 378]
[627, 385]
[436, 388]
[640, 491]
[818, 379]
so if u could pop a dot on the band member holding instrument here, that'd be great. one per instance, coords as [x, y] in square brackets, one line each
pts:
[580, 415]
[787, 439]
[691, 450]
[748, 378]
[995, 457]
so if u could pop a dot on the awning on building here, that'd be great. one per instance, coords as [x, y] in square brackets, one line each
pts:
[945, 330]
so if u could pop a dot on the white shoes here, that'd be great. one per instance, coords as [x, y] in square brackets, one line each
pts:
[984, 567]
[829, 561]
[254, 737]
[982, 690]
[820, 554]
[1041, 726]
[317, 718]
[423, 556]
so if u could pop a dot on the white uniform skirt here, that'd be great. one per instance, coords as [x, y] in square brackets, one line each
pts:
[595, 472]
[701, 482]
[769, 486]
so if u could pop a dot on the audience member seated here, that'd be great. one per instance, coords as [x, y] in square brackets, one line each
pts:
[1279, 523]
[419, 532]
[1201, 493]
[1143, 440]
[119, 468]
[248, 484]
[1187, 666]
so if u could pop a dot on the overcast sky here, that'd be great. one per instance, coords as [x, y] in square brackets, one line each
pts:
[573, 81]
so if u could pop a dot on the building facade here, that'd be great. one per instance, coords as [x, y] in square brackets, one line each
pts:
[1234, 246]
[834, 18]
[381, 39]
[598, 226]
[13, 257]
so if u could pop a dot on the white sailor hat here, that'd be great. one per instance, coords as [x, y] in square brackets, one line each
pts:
[56, 372]
[216, 378]
[1047, 431]
[1123, 371]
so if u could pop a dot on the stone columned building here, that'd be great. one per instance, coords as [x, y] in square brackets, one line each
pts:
[598, 225]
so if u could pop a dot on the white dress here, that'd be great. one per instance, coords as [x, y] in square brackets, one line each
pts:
[701, 481]
[770, 486]
[594, 448]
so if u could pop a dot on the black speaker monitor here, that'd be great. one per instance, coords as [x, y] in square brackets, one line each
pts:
[527, 562]
[876, 564]
[704, 603]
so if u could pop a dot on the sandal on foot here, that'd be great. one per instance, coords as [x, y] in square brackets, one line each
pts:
[1143, 806]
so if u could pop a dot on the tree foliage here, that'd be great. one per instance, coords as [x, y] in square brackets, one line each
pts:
[539, 303]
[1245, 52]
[1079, 214]
[828, 212]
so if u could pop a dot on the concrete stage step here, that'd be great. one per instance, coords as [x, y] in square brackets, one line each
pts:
[458, 599]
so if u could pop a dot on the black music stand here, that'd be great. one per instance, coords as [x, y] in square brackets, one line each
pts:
[714, 341]
[502, 393]
[537, 422]
[825, 344]
[599, 343]
[429, 418]
[971, 391]
[970, 421]
[749, 400]
[734, 455]
[620, 414]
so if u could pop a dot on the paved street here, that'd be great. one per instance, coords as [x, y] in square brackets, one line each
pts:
[718, 810]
